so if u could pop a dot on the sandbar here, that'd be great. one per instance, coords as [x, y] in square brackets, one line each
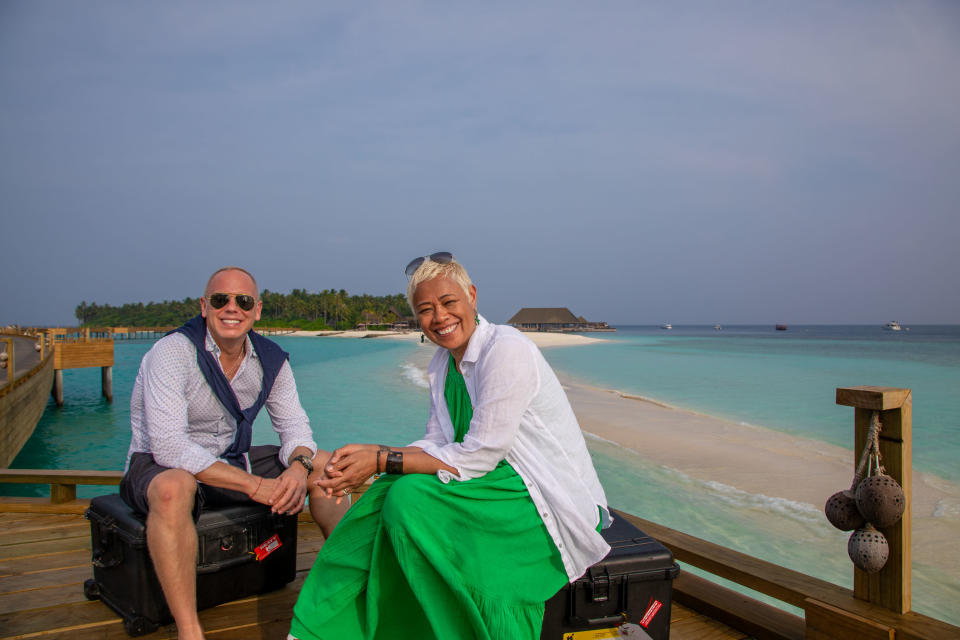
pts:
[758, 460]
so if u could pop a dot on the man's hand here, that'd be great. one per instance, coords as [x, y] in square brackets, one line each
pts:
[290, 490]
[263, 490]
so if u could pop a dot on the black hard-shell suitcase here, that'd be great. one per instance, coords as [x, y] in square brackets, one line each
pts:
[625, 595]
[242, 550]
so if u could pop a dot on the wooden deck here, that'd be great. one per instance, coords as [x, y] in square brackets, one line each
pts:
[45, 558]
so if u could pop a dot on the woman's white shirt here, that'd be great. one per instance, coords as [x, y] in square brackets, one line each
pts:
[521, 415]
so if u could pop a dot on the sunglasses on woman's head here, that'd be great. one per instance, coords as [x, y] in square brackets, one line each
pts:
[443, 257]
[220, 300]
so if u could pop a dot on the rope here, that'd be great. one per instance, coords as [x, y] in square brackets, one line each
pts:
[870, 457]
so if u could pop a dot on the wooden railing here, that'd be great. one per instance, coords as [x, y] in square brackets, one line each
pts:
[63, 488]
[877, 607]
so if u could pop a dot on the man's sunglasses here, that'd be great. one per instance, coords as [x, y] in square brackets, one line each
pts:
[443, 257]
[220, 300]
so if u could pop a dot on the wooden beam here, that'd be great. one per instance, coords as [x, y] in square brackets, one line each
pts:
[60, 476]
[826, 622]
[874, 398]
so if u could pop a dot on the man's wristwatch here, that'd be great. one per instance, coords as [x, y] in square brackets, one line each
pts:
[305, 461]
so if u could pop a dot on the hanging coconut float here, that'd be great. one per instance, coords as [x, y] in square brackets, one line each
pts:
[873, 502]
[842, 512]
[880, 500]
[868, 549]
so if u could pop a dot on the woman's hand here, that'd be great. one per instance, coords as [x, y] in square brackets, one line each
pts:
[348, 468]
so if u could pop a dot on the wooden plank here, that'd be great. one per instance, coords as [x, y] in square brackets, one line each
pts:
[45, 547]
[10, 521]
[825, 622]
[61, 476]
[874, 398]
[755, 618]
[701, 628]
[17, 566]
[62, 576]
[57, 621]
[42, 505]
[43, 534]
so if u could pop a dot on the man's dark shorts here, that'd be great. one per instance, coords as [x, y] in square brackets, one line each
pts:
[264, 462]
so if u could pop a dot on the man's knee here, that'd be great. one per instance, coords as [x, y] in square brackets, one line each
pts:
[171, 492]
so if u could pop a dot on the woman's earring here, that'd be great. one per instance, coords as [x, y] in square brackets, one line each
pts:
[476, 317]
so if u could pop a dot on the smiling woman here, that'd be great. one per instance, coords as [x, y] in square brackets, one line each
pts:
[473, 527]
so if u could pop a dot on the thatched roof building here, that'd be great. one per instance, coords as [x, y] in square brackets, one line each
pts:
[553, 319]
[545, 319]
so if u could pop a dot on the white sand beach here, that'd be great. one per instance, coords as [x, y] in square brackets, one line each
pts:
[539, 338]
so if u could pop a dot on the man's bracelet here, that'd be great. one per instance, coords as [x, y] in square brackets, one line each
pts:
[257, 489]
[395, 462]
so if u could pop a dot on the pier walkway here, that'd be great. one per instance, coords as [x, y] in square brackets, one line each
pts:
[45, 558]
[26, 357]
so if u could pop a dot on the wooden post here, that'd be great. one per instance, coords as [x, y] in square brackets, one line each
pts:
[60, 493]
[58, 387]
[891, 586]
[42, 341]
[106, 382]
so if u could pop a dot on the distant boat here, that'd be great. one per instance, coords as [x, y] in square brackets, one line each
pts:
[717, 327]
[893, 325]
[666, 326]
[781, 327]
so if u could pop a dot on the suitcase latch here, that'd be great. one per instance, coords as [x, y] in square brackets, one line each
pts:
[599, 588]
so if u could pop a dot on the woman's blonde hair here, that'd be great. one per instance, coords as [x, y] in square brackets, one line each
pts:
[430, 270]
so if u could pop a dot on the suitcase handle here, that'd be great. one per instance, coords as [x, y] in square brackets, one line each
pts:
[220, 566]
[617, 620]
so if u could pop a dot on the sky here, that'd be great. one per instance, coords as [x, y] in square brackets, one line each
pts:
[636, 162]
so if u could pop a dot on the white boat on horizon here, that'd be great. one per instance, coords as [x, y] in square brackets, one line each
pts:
[893, 325]
[667, 326]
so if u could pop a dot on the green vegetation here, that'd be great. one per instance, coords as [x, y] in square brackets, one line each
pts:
[328, 309]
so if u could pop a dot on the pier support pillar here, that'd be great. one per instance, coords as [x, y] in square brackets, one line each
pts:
[891, 586]
[58, 387]
[106, 380]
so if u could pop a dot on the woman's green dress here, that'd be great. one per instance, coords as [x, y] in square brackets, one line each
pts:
[415, 558]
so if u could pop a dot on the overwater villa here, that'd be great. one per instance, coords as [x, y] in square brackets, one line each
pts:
[553, 319]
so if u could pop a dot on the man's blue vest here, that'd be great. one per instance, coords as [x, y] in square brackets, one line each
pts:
[271, 357]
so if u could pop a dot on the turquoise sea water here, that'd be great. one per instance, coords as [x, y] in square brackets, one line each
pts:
[375, 391]
[787, 380]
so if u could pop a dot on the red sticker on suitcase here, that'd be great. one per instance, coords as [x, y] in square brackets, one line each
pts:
[651, 611]
[268, 546]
